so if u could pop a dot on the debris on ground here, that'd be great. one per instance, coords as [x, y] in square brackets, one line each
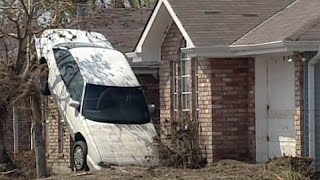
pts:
[285, 168]
[22, 167]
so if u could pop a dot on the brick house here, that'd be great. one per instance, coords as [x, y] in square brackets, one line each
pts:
[122, 27]
[247, 73]
[240, 71]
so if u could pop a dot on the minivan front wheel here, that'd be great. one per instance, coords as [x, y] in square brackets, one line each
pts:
[80, 156]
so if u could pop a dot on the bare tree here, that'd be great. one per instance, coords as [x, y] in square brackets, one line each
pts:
[20, 71]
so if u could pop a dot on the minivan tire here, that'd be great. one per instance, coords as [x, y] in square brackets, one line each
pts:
[79, 156]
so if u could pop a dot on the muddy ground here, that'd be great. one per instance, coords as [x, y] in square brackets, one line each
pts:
[282, 169]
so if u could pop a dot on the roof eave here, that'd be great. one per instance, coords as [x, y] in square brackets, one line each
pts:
[302, 45]
[145, 70]
[134, 56]
[251, 50]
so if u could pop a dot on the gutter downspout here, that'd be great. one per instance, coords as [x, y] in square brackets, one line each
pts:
[311, 103]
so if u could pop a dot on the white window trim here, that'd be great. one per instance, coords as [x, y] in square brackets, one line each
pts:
[189, 92]
[196, 71]
[175, 78]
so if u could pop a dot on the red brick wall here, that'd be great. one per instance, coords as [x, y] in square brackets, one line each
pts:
[170, 51]
[25, 122]
[24, 131]
[58, 154]
[8, 134]
[226, 102]
[150, 85]
[233, 108]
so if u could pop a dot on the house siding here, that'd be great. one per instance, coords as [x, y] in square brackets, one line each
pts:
[233, 108]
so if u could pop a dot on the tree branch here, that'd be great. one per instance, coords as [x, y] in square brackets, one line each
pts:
[45, 10]
[4, 34]
[24, 7]
[7, 8]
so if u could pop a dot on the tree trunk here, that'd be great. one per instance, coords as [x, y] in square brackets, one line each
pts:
[38, 137]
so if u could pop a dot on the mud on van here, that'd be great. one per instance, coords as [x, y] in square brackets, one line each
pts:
[99, 97]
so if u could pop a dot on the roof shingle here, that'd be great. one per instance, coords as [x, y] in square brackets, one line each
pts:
[221, 22]
[299, 21]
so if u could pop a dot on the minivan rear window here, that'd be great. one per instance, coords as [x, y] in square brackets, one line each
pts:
[119, 105]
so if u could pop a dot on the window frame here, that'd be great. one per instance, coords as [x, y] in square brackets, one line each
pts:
[175, 84]
[186, 89]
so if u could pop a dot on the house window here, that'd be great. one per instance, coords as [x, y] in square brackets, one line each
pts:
[184, 87]
[186, 82]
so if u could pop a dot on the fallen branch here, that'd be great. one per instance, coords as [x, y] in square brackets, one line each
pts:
[9, 172]
[82, 174]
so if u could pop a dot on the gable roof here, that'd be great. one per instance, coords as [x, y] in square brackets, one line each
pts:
[221, 22]
[121, 26]
[298, 22]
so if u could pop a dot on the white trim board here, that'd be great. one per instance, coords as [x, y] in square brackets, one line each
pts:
[179, 24]
[251, 50]
[152, 19]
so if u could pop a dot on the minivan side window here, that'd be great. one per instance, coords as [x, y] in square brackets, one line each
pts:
[70, 73]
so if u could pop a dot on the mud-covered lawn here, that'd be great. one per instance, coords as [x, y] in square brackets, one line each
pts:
[226, 169]
[281, 169]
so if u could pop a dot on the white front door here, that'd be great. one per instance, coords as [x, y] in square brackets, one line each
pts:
[275, 108]
[280, 115]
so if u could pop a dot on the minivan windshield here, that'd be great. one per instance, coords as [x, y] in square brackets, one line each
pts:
[119, 105]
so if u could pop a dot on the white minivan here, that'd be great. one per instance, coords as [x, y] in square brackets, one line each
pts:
[100, 98]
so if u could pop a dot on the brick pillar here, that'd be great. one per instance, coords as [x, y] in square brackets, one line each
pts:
[205, 98]
[170, 52]
[233, 111]
[299, 106]
[58, 154]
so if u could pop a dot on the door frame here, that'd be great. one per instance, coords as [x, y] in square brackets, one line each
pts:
[311, 105]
